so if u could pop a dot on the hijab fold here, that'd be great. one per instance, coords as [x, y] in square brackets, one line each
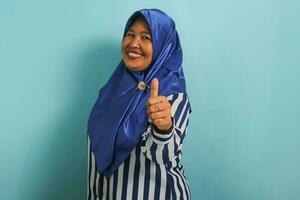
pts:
[119, 116]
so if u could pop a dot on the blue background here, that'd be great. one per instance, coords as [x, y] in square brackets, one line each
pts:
[241, 61]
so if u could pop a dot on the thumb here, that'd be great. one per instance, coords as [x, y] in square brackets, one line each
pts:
[154, 88]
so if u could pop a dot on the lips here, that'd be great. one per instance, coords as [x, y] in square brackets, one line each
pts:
[134, 54]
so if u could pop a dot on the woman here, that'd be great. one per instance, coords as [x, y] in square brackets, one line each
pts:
[138, 123]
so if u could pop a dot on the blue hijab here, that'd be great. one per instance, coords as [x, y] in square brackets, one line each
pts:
[119, 116]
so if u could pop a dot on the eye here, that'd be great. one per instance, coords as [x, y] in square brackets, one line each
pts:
[145, 37]
[129, 34]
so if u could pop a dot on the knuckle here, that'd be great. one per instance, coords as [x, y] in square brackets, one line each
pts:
[154, 115]
[150, 100]
[153, 110]
[151, 117]
[158, 122]
[150, 110]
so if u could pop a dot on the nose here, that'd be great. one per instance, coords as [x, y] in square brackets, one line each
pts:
[135, 42]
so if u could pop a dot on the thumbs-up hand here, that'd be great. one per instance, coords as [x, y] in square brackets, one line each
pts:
[159, 109]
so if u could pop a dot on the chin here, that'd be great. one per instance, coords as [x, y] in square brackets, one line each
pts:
[135, 66]
[135, 69]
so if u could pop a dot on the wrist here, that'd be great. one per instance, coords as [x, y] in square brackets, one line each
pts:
[166, 130]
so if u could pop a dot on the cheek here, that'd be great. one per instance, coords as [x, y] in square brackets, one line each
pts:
[124, 45]
[150, 52]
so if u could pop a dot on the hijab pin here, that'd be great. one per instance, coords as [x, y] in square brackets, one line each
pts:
[142, 85]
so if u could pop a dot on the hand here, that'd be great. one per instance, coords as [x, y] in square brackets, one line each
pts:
[159, 109]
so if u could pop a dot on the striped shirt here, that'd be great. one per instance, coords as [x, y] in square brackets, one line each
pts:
[152, 171]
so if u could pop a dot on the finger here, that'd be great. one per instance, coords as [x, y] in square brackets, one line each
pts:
[162, 124]
[152, 109]
[158, 99]
[160, 115]
[158, 108]
[154, 88]
[159, 122]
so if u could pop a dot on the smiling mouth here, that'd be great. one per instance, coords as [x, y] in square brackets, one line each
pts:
[133, 55]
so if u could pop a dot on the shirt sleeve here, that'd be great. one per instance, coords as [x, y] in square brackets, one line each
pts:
[92, 174]
[167, 148]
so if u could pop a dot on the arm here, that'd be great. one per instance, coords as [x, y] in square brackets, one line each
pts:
[91, 174]
[166, 148]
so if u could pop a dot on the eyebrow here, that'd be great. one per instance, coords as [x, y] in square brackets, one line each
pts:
[143, 32]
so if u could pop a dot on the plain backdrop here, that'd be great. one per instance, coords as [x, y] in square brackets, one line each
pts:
[241, 62]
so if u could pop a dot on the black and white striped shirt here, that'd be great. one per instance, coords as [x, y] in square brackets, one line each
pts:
[152, 171]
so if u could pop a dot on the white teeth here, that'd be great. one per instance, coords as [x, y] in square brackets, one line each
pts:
[133, 54]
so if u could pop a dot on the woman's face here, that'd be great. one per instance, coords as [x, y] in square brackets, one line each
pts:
[137, 46]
